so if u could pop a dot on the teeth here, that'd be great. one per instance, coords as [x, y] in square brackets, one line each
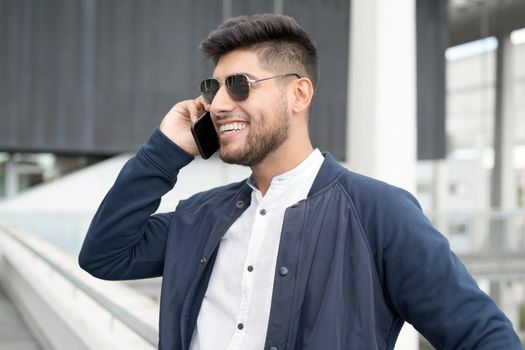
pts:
[232, 127]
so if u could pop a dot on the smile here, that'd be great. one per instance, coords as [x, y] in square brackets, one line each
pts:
[232, 127]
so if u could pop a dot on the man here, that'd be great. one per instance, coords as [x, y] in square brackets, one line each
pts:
[302, 255]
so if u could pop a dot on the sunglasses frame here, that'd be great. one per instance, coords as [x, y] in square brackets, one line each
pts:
[238, 96]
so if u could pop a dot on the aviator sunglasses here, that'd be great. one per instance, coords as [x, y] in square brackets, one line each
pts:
[237, 86]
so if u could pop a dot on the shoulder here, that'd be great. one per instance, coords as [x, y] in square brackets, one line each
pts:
[364, 191]
[367, 192]
[386, 213]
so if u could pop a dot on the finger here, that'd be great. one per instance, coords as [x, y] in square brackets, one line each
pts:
[199, 108]
[193, 110]
[202, 105]
[201, 102]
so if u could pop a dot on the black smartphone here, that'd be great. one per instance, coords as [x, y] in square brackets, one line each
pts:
[205, 135]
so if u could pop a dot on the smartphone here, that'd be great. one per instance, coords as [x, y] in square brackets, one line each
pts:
[205, 135]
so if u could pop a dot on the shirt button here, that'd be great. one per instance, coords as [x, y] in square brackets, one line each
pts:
[250, 268]
[283, 270]
[240, 326]
[274, 348]
[203, 260]
[263, 212]
[239, 204]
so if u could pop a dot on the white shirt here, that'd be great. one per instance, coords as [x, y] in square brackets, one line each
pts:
[236, 307]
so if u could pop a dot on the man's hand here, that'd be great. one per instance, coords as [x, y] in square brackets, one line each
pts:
[176, 125]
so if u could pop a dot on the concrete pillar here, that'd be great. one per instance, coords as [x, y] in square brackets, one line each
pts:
[480, 197]
[503, 185]
[440, 194]
[503, 291]
[381, 130]
[11, 178]
[503, 190]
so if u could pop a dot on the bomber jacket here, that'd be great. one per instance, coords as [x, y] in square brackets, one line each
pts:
[360, 258]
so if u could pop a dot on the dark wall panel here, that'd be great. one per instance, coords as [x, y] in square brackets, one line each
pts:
[327, 22]
[96, 76]
[250, 7]
[431, 29]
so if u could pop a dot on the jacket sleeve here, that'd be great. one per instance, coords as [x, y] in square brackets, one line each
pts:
[124, 240]
[428, 285]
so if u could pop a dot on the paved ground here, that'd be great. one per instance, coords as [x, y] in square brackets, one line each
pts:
[14, 334]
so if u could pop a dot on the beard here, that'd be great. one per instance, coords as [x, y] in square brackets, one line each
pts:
[263, 138]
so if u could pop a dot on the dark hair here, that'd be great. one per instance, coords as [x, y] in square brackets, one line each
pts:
[280, 42]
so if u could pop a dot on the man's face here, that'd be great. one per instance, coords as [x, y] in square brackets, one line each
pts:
[249, 130]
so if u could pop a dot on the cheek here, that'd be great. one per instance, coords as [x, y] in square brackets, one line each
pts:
[273, 104]
[261, 108]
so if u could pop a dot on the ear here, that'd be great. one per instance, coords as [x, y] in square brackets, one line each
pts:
[303, 91]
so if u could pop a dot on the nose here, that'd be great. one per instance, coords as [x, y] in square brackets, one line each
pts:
[222, 102]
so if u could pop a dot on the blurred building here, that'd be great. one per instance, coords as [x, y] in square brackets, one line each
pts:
[428, 95]
[93, 78]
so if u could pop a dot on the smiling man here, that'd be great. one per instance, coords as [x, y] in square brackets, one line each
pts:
[304, 254]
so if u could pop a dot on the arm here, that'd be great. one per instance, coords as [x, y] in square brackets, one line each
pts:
[124, 240]
[431, 289]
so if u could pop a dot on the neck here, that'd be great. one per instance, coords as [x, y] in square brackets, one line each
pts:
[289, 155]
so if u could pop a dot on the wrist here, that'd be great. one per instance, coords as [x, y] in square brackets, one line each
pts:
[164, 153]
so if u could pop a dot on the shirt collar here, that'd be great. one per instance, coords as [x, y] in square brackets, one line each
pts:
[309, 164]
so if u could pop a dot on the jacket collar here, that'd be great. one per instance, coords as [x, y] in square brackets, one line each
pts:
[329, 171]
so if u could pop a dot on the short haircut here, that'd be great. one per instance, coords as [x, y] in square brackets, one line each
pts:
[281, 43]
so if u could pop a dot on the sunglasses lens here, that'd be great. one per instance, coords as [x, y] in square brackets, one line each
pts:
[238, 87]
[209, 88]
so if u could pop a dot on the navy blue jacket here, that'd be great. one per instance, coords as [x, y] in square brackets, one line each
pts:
[360, 259]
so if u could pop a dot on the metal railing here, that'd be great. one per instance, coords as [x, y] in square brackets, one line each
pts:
[488, 232]
[143, 330]
[64, 230]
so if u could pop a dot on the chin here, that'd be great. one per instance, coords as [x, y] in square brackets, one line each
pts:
[235, 157]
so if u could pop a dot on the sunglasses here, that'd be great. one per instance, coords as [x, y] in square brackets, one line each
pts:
[237, 86]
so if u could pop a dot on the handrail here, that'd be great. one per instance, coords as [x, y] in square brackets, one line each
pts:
[473, 232]
[498, 213]
[148, 333]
